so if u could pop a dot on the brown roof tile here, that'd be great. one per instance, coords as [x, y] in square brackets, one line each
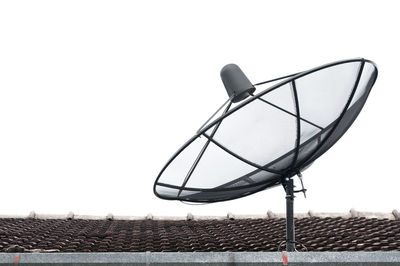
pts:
[263, 234]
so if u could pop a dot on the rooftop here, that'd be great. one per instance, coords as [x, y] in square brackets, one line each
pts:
[353, 231]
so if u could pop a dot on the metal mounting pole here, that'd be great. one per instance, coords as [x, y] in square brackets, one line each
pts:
[290, 240]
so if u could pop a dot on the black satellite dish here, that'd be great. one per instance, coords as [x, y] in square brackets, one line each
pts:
[269, 137]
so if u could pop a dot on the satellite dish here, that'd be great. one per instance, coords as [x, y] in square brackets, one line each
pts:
[268, 137]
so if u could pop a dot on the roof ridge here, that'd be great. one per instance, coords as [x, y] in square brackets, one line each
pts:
[394, 215]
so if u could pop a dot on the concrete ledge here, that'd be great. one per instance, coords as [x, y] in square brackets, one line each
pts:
[202, 258]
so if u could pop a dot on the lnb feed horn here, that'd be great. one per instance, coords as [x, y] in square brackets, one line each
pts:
[237, 85]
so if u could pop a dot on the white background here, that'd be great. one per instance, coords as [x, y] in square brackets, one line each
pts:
[96, 96]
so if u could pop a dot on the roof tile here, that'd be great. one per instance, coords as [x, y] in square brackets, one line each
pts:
[263, 234]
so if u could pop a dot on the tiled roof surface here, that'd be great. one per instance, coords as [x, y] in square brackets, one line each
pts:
[188, 235]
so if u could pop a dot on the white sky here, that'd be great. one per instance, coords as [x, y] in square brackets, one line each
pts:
[96, 96]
